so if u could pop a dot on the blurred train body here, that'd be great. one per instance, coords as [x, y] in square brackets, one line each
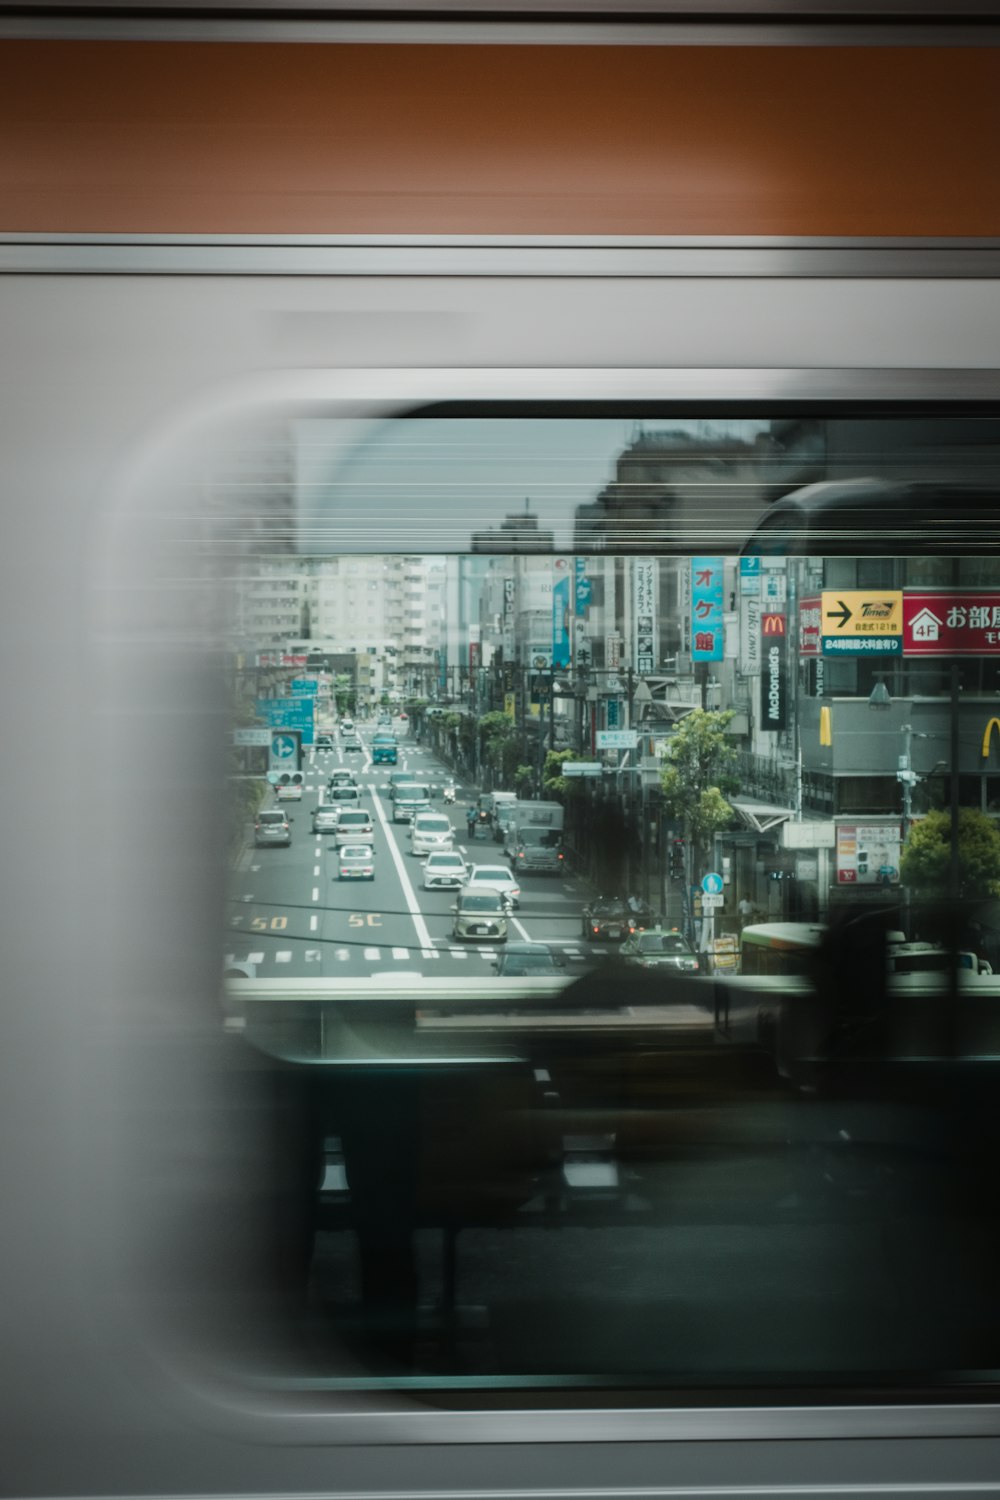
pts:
[211, 223]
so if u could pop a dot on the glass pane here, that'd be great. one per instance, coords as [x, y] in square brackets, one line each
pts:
[706, 1101]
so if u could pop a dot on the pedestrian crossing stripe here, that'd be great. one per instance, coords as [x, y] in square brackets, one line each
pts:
[378, 955]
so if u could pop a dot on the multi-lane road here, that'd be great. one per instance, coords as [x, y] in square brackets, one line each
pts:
[291, 916]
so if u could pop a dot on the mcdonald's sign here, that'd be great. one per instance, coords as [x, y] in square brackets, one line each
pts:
[988, 735]
[772, 624]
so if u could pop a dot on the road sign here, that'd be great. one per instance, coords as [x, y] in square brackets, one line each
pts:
[616, 739]
[582, 768]
[251, 736]
[288, 713]
[710, 902]
[711, 884]
[859, 622]
[284, 747]
[304, 686]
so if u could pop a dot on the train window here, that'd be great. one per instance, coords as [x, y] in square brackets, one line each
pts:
[727, 668]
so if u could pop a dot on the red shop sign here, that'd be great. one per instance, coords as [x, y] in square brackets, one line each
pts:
[951, 624]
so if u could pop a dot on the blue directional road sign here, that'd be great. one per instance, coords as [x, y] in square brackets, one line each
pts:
[288, 713]
[283, 746]
[712, 884]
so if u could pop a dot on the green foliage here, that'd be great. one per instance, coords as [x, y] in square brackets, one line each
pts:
[498, 741]
[696, 763]
[343, 692]
[926, 860]
[524, 778]
[556, 786]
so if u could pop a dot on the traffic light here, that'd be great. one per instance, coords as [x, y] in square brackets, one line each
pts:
[677, 859]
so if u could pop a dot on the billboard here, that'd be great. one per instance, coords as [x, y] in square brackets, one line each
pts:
[644, 613]
[707, 634]
[966, 624]
[774, 672]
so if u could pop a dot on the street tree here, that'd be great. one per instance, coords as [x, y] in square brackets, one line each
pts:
[696, 775]
[925, 865]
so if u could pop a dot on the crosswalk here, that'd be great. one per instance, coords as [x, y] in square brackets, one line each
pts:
[378, 955]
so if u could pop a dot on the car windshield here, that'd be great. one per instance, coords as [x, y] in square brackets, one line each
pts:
[481, 903]
[662, 942]
[445, 862]
[356, 851]
[272, 817]
[433, 825]
[494, 874]
[354, 819]
[522, 962]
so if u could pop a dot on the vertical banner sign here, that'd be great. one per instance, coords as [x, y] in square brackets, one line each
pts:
[749, 576]
[584, 587]
[706, 609]
[774, 674]
[644, 613]
[509, 595]
[684, 605]
[560, 613]
[750, 635]
[613, 651]
[810, 627]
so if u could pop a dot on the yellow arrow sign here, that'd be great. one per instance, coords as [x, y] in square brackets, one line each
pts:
[857, 612]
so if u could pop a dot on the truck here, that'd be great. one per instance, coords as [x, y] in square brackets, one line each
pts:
[408, 798]
[384, 750]
[534, 838]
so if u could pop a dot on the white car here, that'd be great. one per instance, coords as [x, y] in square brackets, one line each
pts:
[496, 878]
[430, 832]
[444, 868]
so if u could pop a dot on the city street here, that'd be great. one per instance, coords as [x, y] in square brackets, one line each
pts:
[290, 915]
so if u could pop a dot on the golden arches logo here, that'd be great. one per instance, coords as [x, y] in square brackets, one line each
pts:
[988, 735]
[772, 624]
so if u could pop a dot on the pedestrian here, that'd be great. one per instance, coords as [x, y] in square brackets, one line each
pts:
[470, 818]
[745, 909]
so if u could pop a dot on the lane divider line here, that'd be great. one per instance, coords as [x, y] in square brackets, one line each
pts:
[409, 895]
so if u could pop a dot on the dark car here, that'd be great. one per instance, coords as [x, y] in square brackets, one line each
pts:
[615, 918]
[530, 961]
[661, 950]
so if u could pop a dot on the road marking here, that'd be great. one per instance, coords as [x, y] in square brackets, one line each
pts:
[342, 953]
[313, 955]
[284, 957]
[514, 922]
[313, 922]
[409, 895]
[255, 958]
[488, 954]
[315, 892]
[429, 953]
[371, 953]
[458, 953]
[315, 870]
[400, 952]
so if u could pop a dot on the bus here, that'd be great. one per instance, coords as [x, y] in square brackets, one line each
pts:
[780, 949]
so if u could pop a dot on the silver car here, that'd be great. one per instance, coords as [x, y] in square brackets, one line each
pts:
[356, 862]
[325, 817]
[354, 826]
[481, 917]
[271, 827]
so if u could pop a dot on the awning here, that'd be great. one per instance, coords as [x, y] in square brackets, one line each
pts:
[760, 817]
